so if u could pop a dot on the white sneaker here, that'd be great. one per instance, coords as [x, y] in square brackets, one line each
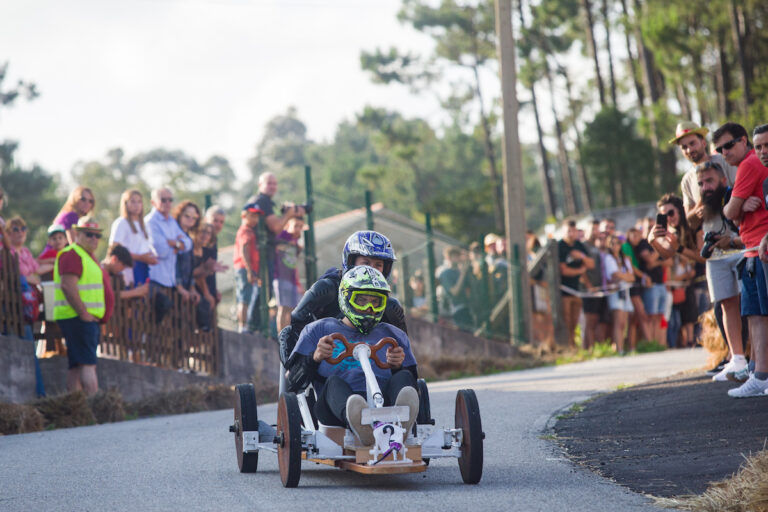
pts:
[752, 388]
[732, 367]
[410, 397]
[355, 406]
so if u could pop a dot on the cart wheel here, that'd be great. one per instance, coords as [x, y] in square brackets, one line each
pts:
[425, 411]
[289, 439]
[246, 419]
[468, 420]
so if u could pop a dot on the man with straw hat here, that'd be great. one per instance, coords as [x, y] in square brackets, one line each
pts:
[691, 138]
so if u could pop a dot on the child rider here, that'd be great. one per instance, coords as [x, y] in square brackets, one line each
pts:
[363, 295]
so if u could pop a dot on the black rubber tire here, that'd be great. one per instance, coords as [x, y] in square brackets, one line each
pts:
[289, 433]
[468, 419]
[246, 419]
[425, 411]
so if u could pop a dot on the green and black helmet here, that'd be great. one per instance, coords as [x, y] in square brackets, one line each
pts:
[363, 297]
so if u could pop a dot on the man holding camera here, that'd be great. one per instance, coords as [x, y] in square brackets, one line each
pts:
[721, 244]
[747, 203]
[275, 224]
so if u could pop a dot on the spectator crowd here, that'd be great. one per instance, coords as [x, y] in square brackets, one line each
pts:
[171, 250]
[706, 249]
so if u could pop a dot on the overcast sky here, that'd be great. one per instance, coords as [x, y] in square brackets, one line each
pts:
[203, 76]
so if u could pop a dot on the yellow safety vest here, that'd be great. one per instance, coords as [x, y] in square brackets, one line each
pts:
[90, 287]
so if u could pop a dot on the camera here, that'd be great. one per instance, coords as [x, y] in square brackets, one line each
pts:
[307, 208]
[710, 239]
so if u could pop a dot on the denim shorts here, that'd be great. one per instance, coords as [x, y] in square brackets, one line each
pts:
[82, 340]
[247, 293]
[655, 299]
[620, 301]
[754, 296]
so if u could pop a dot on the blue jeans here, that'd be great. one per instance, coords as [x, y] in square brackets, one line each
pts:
[248, 294]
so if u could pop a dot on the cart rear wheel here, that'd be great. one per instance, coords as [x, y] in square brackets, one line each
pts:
[289, 439]
[246, 419]
[468, 420]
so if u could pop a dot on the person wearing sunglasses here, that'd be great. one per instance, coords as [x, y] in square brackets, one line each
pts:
[16, 232]
[340, 388]
[83, 300]
[691, 139]
[747, 204]
[80, 202]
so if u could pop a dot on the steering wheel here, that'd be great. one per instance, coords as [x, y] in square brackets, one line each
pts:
[349, 349]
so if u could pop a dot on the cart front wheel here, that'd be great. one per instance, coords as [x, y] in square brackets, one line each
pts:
[468, 420]
[289, 439]
[246, 419]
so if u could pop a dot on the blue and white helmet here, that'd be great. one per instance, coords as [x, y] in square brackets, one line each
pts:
[371, 244]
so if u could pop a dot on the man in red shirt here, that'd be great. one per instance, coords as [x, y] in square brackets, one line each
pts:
[81, 331]
[747, 205]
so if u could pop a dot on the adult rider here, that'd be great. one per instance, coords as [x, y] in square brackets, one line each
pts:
[320, 301]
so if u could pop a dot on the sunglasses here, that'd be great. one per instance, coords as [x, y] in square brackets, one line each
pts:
[90, 201]
[97, 236]
[166, 200]
[728, 145]
[17, 229]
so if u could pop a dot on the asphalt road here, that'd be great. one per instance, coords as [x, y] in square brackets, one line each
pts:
[188, 462]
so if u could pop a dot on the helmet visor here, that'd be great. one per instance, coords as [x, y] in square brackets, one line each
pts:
[368, 300]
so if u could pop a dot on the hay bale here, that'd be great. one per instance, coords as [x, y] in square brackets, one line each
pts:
[18, 419]
[746, 491]
[107, 406]
[189, 399]
[64, 411]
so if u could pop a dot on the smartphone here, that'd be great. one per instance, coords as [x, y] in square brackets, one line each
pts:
[661, 220]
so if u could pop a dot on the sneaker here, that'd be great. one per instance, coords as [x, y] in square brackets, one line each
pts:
[740, 376]
[732, 367]
[717, 369]
[753, 387]
[355, 406]
[408, 396]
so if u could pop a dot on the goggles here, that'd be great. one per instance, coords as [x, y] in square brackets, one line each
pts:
[364, 300]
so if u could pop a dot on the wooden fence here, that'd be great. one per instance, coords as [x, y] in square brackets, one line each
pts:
[132, 333]
[11, 314]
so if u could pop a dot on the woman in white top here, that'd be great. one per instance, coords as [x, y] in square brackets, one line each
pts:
[617, 270]
[128, 230]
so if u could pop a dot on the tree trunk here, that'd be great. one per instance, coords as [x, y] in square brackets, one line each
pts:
[490, 154]
[653, 91]
[550, 204]
[607, 23]
[738, 44]
[632, 59]
[562, 155]
[592, 46]
[724, 105]
[701, 101]
[682, 99]
[586, 191]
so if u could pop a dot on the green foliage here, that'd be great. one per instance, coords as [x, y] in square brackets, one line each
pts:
[619, 163]
[645, 347]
